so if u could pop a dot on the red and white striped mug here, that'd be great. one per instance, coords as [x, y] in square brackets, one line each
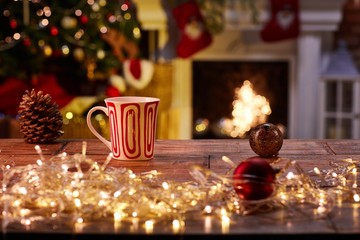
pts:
[132, 121]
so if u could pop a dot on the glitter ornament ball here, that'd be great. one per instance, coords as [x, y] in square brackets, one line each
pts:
[266, 140]
[254, 179]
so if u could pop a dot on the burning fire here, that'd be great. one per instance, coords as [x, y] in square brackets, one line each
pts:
[249, 110]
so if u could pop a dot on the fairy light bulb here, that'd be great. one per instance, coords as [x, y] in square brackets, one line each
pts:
[78, 12]
[23, 190]
[117, 194]
[149, 226]
[290, 175]
[77, 202]
[127, 16]
[165, 185]
[44, 22]
[75, 194]
[225, 224]
[137, 33]
[356, 197]
[176, 225]
[65, 50]
[9, 40]
[80, 220]
[40, 12]
[117, 216]
[112, 18]
[47, 11]
[6, 13]
[16, 36]
[124, 7]
[102, 3]
[208, 209]
[47, 50]
[95, 7]
[100, 54]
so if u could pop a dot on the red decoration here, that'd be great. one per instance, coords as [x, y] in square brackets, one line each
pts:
[84, 19]
[27, 42]
[254, 179]
[13, 23]
[284, 22]
[194, 35]
[54, 31]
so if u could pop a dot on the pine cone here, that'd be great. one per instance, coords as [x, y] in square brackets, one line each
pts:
[40, 119]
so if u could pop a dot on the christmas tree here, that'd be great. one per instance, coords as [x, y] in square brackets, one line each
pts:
[96, 34]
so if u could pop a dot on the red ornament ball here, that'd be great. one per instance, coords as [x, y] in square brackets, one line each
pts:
[13, 23]
[266, 140]
[254, 179]
[84, 19]
[27, 42]
[54, 31]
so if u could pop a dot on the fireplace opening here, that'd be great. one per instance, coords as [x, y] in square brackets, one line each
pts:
[214, 90]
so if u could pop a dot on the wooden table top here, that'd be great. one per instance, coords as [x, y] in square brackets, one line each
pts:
[173, 159]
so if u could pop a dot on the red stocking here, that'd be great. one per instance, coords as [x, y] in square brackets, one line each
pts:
[194, 35]
[284, 22]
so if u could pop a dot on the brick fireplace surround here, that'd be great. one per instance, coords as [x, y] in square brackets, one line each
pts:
[305, 55]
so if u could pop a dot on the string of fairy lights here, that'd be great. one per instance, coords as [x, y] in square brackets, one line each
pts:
[78, 190]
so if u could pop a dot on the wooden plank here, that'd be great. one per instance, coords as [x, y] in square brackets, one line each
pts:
[19, 147]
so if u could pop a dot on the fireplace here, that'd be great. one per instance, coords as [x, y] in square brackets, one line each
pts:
[294, 98]
[214, 84]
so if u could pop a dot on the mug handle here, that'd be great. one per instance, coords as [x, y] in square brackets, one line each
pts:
[91, 127]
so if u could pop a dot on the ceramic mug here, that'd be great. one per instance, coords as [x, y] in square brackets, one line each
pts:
[132, 122]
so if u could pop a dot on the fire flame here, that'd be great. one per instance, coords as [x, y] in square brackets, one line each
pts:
[249, 110]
